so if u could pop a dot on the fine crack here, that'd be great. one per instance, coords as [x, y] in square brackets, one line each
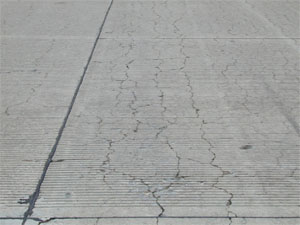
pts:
[162, 95]
[160, 130]
[136, 129]
[37, 60]
[182, 69]
[122, 81]
[224, 71]
[110, 152]
[32, 94]
[153, 192]
[106, 163]
[230, 214]
[177, 176]
[156, 197]
[159, 18]
[246, 96]
[131, 104]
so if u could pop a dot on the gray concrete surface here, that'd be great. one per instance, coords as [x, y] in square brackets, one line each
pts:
[150, 112]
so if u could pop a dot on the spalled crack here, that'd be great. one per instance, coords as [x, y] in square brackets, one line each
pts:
[182, 69]
[230, 213]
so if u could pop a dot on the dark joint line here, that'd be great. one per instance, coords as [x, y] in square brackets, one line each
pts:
[33, 198]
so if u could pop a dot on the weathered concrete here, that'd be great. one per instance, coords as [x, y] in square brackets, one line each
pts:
[188, 112]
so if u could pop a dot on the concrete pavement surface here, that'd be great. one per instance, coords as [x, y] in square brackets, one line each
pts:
[150, 112]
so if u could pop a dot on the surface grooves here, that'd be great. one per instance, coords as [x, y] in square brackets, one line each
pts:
[183, 113]
[33, 198]
[154, 217]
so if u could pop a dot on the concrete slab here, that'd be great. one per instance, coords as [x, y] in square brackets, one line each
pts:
[38, 78]
[52, 18]
[188, 112]
[188, 131]
[203, 19]
[41, 64]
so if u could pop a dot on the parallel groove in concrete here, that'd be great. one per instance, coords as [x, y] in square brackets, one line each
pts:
[176, 118]
[35, 195]
[254, 185]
